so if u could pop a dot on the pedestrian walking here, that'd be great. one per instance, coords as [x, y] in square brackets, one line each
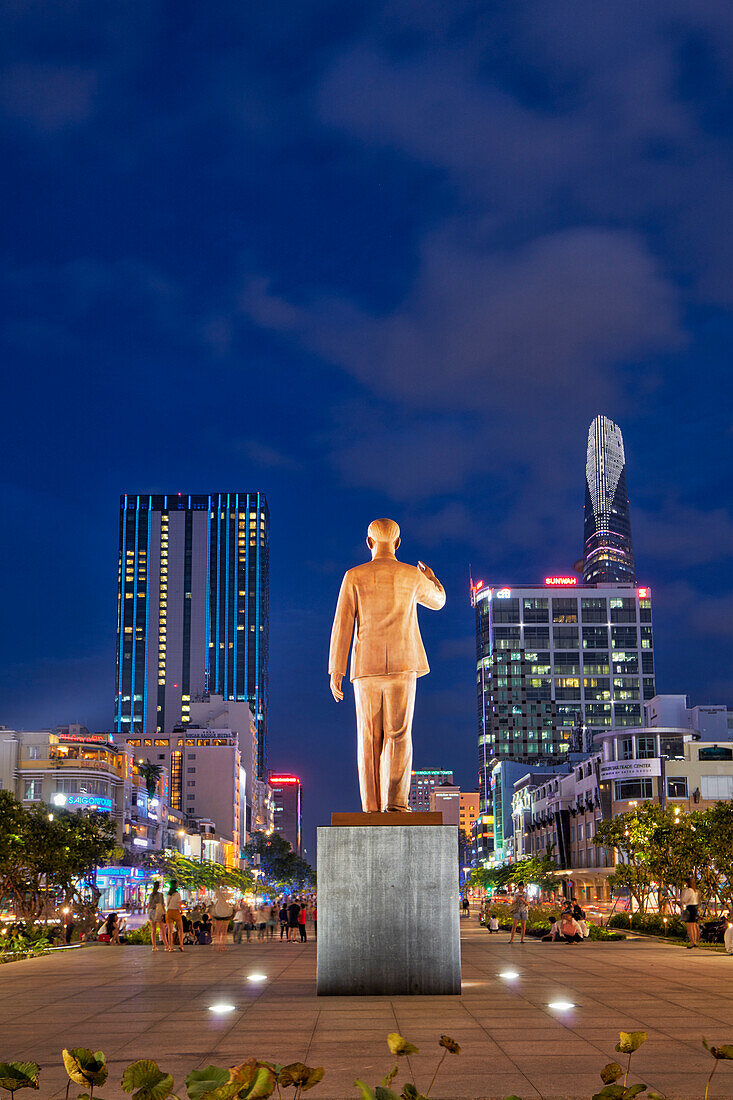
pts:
[302, 918]
[156, 916]
[314, 918]
[174, 915]
[222, 912]
[262, 915]
[690, 902]
[293, 914]
[519, 910]
[239, 919]
[284, 921]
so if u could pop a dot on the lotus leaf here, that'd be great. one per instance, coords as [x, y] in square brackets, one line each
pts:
[306, 1077]
[85, 1067]
[610, 1092]
[19, 1075]
[629, 1041]
[633, 1090]
[252, 1080]
[149, 1080]
[724, 1051]
[382, 1093]
[611, 1073]
[366, 1092]
[201, 1082]
[400, 1046]
[450, 1044]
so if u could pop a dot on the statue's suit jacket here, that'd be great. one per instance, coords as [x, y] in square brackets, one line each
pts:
[380, 598]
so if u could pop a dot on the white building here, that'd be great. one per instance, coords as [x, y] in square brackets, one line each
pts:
[212, 765]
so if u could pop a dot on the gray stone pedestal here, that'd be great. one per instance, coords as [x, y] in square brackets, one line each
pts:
[388, 910]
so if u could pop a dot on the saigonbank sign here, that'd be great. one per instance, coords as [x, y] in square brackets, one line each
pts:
[89, 801]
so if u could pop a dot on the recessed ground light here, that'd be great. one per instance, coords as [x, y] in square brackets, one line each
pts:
[221, 1008]
[561, 1006]
[510, 975]
[257, 977]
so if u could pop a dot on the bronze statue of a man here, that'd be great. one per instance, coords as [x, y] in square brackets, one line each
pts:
[380, 598]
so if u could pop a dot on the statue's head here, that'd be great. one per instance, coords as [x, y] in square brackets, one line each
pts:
[383, 534]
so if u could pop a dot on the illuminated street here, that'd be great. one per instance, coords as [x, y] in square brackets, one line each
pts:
[131, 1005]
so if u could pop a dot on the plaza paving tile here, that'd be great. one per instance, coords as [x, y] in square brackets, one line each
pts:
[133, 1003]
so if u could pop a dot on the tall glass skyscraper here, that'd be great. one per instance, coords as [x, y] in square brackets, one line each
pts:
[557, 663]
[609, 555]
[192, 608]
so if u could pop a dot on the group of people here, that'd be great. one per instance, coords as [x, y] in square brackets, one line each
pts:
[210, 924]
[569, 926]
[292, 916]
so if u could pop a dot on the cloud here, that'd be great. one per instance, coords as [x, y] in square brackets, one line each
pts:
[49, 98]
[270, 458]
[681, 533]
[487, 327]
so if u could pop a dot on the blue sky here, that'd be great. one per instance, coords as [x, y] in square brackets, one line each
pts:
[372, 260]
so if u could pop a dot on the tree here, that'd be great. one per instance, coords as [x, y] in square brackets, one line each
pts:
[659, 849]
[44, 854]
[191, 874]
[526, 872]
[151, 773]
[280, 866]
[714, 829]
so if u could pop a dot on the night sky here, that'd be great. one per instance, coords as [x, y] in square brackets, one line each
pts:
[371, 260]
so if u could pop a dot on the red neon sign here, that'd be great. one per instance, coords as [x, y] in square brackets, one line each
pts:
[478, 585]
[284, 779]
[97, 738]
[568, 582]
[643, 593]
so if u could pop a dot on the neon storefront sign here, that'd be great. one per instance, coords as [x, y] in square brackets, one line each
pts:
[561, 582]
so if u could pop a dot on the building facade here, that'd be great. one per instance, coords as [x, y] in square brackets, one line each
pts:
[212, 765]
[423, 782]
[446, 800]
[556, 663]
[468, 811]
[193, 614]
[287, 798]
[608, 556]
[674, 766]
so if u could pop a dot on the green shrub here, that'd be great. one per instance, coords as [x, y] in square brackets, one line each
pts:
[139, 935]
[652, 924]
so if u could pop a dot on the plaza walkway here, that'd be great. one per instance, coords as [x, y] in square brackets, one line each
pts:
[131, 1004]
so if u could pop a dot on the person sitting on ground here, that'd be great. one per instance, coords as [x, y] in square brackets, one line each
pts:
[112, 929]
[493, 923]
[203, 930]
[570, 930]
[553, 935]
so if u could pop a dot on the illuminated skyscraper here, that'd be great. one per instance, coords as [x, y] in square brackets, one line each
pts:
[608, 555]
[287, 794]
[192, 615]
[557, 663]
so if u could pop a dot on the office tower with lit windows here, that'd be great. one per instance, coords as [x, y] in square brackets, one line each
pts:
[608, 556]
[557, 663]
[287, 797]
[192, 616]
[422, 782]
